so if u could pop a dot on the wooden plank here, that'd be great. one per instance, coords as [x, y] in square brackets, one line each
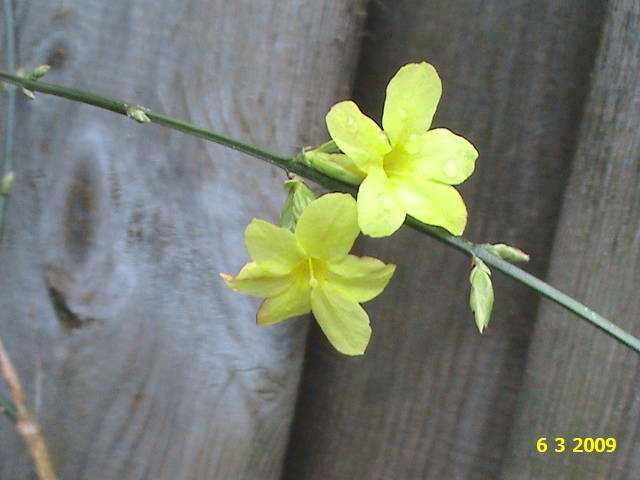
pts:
[143, 365]
[579, 383]
[432, 398]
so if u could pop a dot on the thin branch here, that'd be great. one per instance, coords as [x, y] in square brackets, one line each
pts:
[26, 423]
[291, 165]
[6, 406]
[11, 108]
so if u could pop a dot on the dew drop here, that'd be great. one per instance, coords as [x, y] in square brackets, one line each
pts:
[313, 283]
[450, 169]
[385, 203]
[352, 125]
[412, 146]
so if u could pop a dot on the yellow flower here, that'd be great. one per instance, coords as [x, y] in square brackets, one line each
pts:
[409, 169]
[311, 270]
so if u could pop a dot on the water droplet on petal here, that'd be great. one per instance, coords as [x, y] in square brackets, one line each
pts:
[313, 283]
[412, 145]
[385, 202]
[352, 125]
[450, 169]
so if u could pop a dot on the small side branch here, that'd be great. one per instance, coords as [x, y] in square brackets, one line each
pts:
[26, 423]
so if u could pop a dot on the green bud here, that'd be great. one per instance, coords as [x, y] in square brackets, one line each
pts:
[507, 252]
[39, 72]
[7, 183]
[137, 114]
[335, 165]
[298, 197]
[329, 147]
[28, 93]
[481, 297]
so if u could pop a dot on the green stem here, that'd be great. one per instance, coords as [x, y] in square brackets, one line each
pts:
[534, 283]
[6, 406]
[11, 93]
[11, 110]
[293, 166]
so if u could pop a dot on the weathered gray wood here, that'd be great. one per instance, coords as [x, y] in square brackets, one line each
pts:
[432, 398]
[143, 365]
[579, 383]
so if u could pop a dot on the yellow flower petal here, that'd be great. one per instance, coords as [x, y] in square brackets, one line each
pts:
[412, 97]
[253, 279]
[342, 319]
[379, 213]
[438, 154]
[431, 202]
[362, 278]
[274, 248]
[293, 301]
[328, 227]
[359, 137]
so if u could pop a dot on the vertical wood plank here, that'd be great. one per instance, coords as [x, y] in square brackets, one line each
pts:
[578, 382]
[432, 399]
[141, 362]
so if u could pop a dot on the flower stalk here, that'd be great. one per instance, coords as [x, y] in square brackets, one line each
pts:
[18, 412]
[290, 164]
[26, 422]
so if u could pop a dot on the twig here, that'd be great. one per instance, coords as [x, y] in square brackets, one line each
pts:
[291, 165]
[6, 406]
[11, 109]
[26, 423]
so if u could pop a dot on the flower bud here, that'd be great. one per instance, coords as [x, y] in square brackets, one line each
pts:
[506, 252]
[298, 197]
[137, 114]
[481, 297]
[28, 93]
[39, 72]
[7, 183]
[335, 165]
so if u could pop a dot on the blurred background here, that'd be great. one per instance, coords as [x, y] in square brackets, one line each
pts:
[141, 364]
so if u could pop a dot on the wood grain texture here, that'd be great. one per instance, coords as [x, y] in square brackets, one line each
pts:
[140, 362]
[578, 382]
[432, 399]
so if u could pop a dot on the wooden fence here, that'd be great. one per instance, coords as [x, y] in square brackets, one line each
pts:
[142, 365]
